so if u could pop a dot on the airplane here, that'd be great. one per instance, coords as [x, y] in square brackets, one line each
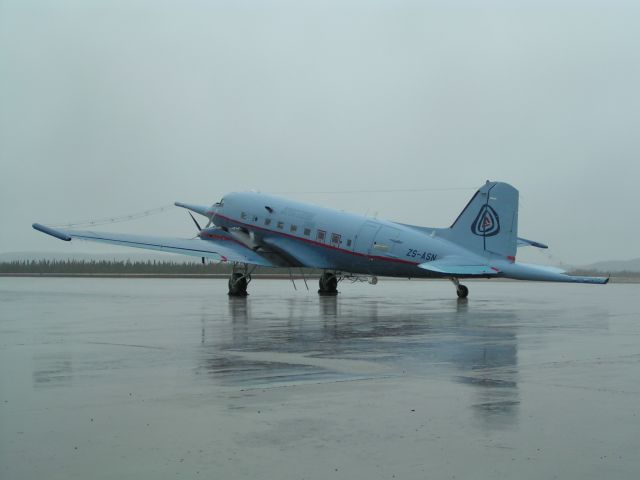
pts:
[250, 229]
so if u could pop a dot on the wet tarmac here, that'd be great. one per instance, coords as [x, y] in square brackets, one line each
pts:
[161, 378]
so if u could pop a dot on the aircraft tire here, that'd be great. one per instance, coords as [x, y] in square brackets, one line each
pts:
[462, 291]
[328, 284]
[238, 285]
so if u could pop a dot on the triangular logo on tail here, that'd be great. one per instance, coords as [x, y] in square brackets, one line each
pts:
[487, 223]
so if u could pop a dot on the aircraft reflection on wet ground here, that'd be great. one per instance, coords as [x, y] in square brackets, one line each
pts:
[104, 378]
[348, 339]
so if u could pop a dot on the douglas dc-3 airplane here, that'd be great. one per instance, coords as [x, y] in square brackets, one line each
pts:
[252, 229]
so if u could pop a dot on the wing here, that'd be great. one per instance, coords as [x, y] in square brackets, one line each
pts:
[297, 251]
[219, 248]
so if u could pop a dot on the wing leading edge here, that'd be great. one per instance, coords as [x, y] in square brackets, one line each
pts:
[217, 249]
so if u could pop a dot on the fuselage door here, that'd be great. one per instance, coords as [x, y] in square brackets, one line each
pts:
[387, 242]
[364, 240]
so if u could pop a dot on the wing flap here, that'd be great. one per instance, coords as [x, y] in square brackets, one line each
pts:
[217, 249]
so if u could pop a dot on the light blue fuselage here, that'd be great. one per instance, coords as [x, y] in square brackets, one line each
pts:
[332, 239]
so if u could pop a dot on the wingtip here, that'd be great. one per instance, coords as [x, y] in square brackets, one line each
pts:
[51, 231]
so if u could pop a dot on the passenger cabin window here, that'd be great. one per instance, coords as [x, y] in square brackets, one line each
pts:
[321, 235]
[267, 221]
[335, 239]
[293, 228]
[255, 218]
[349, 243]
[280, 225]
[307, 232]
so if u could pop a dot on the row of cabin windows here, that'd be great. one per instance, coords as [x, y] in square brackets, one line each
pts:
[321, 235]
[244, 216]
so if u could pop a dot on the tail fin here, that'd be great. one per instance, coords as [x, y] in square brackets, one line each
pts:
[489, 223]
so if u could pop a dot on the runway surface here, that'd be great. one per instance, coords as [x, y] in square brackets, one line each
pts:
[161, 378]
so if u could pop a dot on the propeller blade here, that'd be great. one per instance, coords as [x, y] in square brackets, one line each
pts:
[195, 221]
[199, 229]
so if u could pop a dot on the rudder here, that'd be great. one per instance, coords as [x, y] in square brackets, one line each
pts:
[488, 225]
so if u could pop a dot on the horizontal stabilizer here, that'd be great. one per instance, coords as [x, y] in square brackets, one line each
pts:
[450, 269]
[548, 268]
[593, 280]
[523, 242]
[543, 273]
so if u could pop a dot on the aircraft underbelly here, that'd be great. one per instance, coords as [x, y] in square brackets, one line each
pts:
[374, 265]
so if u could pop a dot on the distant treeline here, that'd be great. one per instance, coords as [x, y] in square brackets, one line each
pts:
[598, 273]
[123, 267]
[152, 267]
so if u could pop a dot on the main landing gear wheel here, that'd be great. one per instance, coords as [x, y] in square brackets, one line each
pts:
[328, 284]
[238, 283]
[462, 291]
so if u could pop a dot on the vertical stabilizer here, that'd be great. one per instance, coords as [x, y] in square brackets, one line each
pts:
[489, 223]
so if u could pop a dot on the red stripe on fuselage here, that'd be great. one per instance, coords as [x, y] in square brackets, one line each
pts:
[313, 242]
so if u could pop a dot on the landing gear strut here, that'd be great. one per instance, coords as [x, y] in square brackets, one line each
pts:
[461, 290]
[238, 283]
[328, 284]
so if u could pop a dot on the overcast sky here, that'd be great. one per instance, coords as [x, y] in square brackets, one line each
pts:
[110, 107]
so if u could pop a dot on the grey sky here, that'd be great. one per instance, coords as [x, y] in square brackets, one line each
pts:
[110, 107]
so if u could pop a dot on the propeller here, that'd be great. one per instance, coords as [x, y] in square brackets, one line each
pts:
[198, 226]
[194, 221]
